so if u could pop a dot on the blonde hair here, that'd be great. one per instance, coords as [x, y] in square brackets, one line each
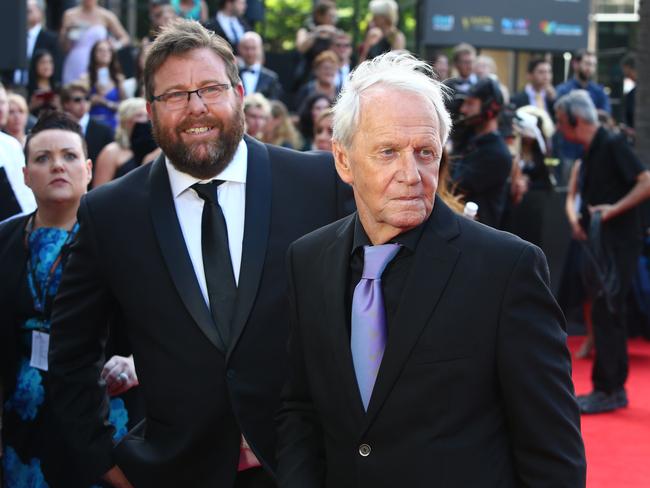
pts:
[18, 100]
[127, 109]
[285, 131]
[257, 100]
[385, 8]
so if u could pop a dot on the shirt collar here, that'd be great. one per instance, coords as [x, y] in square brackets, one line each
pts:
[224, 17]
[34, 31]
[531, 91]
[253, 68]
[408, 239]
[234, 172]
[83, 122]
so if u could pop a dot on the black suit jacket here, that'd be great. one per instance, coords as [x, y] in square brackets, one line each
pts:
[268, 84]
[215, 27]
[474, 388]
[98, 136]
[49, 41]
[13, 256]
[521, 100]
[200, 394]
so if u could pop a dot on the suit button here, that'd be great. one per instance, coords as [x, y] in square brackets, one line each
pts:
[230, 374]
[364, 450]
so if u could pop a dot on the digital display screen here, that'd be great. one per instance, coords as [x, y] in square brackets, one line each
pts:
[557, 25]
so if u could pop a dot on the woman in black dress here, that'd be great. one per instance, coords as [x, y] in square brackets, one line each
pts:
[33, 252]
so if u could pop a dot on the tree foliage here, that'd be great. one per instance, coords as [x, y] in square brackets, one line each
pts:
[285, 17]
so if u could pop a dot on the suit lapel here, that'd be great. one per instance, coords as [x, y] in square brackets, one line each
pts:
[336, 261]
[256, 233]
[174, 251]
[431, 269]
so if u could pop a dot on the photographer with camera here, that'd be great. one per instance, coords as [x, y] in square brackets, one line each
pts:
[481, 161]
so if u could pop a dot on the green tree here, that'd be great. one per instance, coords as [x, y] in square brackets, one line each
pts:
[285, 17]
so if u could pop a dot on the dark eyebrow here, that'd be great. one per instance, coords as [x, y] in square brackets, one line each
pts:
[204, 83]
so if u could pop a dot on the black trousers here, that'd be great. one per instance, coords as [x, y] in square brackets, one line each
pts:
[254, 478]
[610, 368]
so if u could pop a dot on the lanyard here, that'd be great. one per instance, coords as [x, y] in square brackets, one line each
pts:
[43, 301]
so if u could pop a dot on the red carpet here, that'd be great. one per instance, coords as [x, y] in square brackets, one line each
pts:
[618, 443]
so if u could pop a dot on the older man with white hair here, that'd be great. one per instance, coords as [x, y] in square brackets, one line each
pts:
[426, 349]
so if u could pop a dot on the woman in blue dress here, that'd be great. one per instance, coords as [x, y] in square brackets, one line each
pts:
[106, 83]
[33, 252]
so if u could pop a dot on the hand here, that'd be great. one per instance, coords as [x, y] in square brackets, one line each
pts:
[119, 374]
[578, 232]
[325, 30]
[606, 211]
[519, 188]
[97, 99]
[115, 477]
[374, 36]
[550, 92]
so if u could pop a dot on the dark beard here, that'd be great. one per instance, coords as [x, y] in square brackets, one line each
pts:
[582, 77]
[219, 152]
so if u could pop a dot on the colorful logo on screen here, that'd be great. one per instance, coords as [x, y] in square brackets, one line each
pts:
[515, 27]
[552, 28]
[444, 23]
[482, 23]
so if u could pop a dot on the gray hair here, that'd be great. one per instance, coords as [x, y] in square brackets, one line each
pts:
[40, 4]
[397, 70]
[578, 104]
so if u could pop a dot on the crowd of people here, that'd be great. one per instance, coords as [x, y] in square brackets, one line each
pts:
[209, 150]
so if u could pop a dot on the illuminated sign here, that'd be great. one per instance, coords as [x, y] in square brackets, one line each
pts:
[532, 24]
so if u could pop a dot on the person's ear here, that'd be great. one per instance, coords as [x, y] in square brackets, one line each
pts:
[89, 168]
[342, 162]
[239, 91]
[26, 176]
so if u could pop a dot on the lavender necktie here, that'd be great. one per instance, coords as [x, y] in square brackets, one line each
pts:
[368, 338]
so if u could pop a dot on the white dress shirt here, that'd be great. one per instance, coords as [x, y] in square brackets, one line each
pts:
[232, 27]
[232, 199]
[12, 159]
[250, 76]
[342, 75]
[83, 123]
[21, 76]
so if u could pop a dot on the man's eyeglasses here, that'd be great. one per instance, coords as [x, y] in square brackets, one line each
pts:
[177, 100]
[78, 99]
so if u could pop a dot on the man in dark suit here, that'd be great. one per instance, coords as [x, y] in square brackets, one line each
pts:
[426, 349]
[539, 90]
[200, 286]
[38, 39]
[255, 77]
[229, 22]
[74, 100]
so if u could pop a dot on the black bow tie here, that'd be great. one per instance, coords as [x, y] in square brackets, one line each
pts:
[249, 69]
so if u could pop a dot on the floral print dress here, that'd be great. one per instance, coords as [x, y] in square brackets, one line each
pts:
[27, 429]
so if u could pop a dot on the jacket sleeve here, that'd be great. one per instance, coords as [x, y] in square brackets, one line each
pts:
[79, 333]
[534, 372]
[301, 456]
